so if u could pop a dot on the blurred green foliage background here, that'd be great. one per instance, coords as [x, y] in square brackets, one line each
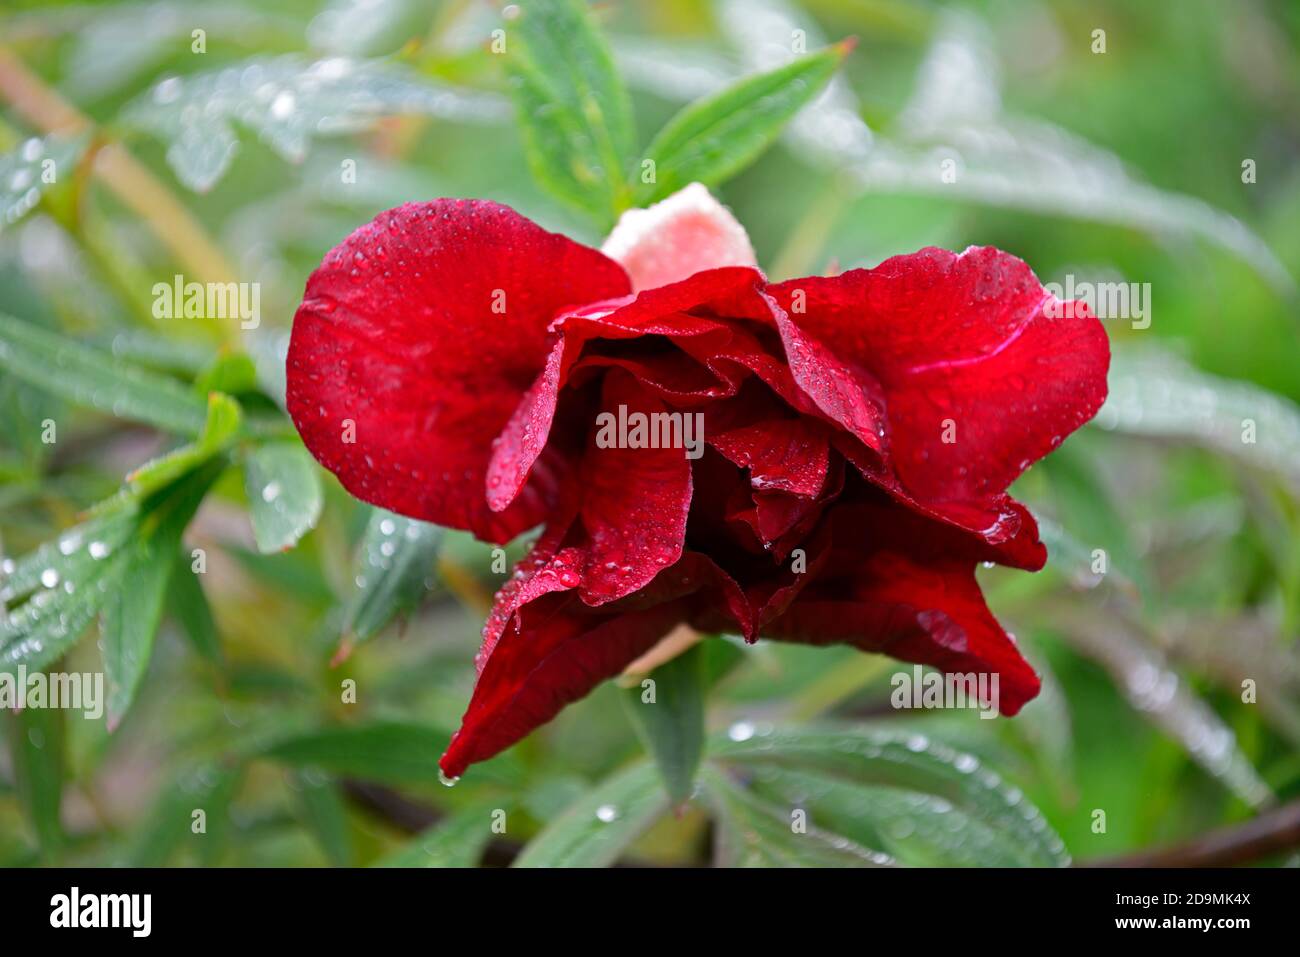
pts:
[1123, 165]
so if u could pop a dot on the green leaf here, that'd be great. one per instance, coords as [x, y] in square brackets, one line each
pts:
[902, 761]
[171, 822]
[714, 138]
[43, 629]
[36, 751]
[284, 495]
[220, 428]
[394, 561]
[325, 815]
[753, 833]
[133, 612]
[97, 380]
[27, 172]
[914, 828]
[229, 372]
[293, 100]
[1157, 394]
[76, 556]
[1083, 503]
[189, 606]
[596, 829]
[672, 724]
[131, 617]
[391, 752]
[456, 841]
[573, 110]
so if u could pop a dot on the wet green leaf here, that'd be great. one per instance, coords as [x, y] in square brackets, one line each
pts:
[597, 828]
[27, 172]
[288, 100]
[220, 428]
[754, 833]
[714, 138]
[394, 562]
[903, 761]
[573, 110]
[284, 495]
[133, 612]
[98, 380]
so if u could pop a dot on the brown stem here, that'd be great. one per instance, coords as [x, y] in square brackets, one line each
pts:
[1273, 832]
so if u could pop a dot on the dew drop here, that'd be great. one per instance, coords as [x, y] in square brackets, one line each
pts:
[740, 731]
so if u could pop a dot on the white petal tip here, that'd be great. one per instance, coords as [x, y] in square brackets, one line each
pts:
[686, 233]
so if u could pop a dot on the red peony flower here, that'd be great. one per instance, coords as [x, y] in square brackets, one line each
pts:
[848, 439]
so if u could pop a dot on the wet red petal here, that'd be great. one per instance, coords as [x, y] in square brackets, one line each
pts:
[634, 501]
[414, 342]
[558, 653]
[656, 312]
[977, 381]
[897, 583]
[547, 648]
[782, 451]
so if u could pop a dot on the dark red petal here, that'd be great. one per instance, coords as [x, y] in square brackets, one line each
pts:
[560, 650]
[544, 648]
[782, 451]
[846, 396]
[657, 312]
[634, 501]
[397, 334]
[900, 584]
[673, 375]
[964, 350]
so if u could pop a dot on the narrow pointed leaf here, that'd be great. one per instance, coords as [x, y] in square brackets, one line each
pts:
[97, 380]
[390, 752]
[133, 612]
[187, 603]
[671, 726]
[573, 110]
[905, 761]
[597, 828]
[456, 841]
[754, 833]
[325, 815]
[36, 751]
[714, 138]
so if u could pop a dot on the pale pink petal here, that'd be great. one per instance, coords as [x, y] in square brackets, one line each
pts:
[688, 232]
